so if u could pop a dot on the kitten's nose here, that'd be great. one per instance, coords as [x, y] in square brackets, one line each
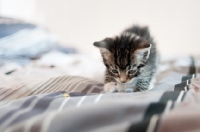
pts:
[123, 80]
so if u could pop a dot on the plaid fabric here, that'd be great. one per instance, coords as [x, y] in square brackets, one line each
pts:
[64, 83]
[77, 104]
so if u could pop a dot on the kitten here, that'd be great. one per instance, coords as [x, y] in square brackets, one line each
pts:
[130, 58]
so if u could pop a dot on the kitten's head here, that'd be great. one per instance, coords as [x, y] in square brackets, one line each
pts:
[124, 56]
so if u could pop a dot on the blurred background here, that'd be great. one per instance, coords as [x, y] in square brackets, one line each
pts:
[175, 24]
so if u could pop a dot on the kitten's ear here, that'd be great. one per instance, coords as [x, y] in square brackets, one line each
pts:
[143, 52]
[104, 47]
[104, 43]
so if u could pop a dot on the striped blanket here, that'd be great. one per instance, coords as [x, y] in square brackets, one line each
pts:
[77, 104]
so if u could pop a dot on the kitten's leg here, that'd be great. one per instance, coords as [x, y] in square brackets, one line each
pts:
[110, 87]
[109, 83]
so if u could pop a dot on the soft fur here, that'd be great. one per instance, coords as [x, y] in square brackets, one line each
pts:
[129, 58]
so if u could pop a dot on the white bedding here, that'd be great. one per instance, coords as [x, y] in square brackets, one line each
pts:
[52, 64]
[55, 63]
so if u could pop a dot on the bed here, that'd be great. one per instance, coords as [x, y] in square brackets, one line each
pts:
[51, 88]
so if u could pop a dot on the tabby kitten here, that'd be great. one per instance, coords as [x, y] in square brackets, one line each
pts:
[130, 58]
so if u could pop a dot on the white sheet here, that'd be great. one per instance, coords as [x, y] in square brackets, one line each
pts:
[64, 64]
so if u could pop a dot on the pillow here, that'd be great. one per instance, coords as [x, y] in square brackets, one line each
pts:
[21, 41]
[9, 26]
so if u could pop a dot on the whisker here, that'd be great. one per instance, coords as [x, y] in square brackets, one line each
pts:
[110, 76]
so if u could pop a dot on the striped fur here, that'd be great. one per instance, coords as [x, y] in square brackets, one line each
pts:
[129, 58]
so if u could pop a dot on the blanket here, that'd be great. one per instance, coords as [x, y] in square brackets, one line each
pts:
[78, 104]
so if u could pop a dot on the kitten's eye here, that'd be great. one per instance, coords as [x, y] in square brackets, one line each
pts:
[141, 65]
[131, 71]
[114, 71]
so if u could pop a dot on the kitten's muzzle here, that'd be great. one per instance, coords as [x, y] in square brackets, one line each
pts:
[124, 87]
[123, 80]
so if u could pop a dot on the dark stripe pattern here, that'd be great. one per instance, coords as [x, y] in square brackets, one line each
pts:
[63, 83]
[158, 108]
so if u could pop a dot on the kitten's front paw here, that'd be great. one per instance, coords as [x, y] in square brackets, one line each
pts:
[110, 87]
